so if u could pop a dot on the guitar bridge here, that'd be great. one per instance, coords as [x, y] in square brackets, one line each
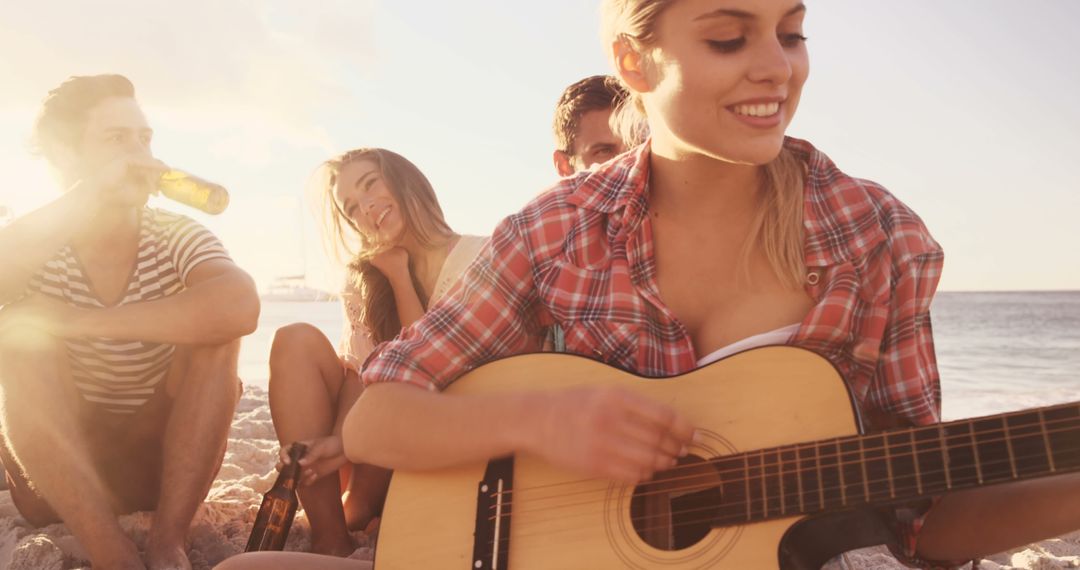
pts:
[491, 538]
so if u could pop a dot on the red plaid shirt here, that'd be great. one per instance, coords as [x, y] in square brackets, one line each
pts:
[581, 255]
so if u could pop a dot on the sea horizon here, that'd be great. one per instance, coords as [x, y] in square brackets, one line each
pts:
[997, 351]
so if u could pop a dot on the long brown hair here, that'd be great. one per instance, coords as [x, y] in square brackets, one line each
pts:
[423, 218]
[777, 227]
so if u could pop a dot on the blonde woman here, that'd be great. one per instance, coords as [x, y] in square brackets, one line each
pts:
[383, 217]
[717, 235]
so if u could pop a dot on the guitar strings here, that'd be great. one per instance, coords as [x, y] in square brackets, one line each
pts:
[762, 478]
[836, 442]
[838, 456]
[723, 519]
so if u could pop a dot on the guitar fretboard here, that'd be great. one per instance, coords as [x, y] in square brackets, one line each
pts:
[899, 465]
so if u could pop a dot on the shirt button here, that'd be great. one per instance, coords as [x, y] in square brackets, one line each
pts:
[813, 277]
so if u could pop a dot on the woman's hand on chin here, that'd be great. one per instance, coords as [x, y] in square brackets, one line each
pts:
[392, 262]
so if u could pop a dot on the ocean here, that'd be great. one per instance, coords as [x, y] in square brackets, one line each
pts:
[1006, 351]
[996, 351]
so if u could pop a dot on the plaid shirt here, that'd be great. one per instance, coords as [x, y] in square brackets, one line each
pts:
[581, 255]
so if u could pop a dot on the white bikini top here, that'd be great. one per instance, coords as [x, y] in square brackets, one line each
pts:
[776, 336]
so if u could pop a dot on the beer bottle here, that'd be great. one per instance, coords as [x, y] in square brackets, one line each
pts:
[278, 506]
[194, 191]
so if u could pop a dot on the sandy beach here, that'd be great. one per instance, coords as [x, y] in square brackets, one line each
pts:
[221, 527]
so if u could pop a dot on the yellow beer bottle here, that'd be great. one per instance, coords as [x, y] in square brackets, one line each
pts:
[194, 191]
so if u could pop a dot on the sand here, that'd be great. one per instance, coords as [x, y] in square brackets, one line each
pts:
[221, 526]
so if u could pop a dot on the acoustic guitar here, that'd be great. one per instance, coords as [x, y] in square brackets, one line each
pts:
[784, 476]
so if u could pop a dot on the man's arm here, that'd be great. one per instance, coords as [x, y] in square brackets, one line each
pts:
[30, 241]
[220, 304]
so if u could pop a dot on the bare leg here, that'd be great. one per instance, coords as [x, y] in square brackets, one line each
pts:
[47, 443]
[365, 495]
[366, 485]
[306, 379]
[290, 561]
[206, 391]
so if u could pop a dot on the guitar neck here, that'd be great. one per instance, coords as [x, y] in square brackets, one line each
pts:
[899, 465]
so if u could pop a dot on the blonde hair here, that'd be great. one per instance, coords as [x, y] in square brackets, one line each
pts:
[777, 226]
[353, 248]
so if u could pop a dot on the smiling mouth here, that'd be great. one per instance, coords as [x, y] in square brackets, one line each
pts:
[757, 110]
[382, 216]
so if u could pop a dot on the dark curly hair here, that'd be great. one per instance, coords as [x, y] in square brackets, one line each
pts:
[62, 118]
[593, 93]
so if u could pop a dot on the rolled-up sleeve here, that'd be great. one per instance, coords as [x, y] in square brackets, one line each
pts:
[908, 386]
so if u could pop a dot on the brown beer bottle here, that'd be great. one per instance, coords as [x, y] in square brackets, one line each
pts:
[278, 506]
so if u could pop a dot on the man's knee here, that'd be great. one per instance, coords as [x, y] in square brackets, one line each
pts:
[214, 365]
[227, 353]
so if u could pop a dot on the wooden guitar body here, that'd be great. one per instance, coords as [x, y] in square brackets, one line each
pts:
[782, 477]
[757, 399]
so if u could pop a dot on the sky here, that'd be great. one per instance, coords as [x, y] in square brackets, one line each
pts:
[963, 109]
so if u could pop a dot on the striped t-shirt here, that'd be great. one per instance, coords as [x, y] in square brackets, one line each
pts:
[122, 375]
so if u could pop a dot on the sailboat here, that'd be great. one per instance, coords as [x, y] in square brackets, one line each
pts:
[294, 288]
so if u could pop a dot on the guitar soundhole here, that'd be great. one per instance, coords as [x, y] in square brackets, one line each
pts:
[674, 510]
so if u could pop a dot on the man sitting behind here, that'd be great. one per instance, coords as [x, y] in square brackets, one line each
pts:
[582, 125]
[119, 338]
